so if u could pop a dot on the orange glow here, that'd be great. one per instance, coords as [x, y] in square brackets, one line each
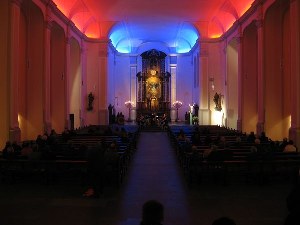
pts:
[79, 12]
[91, 35]
[81, 20]
[215, 35]
[245, 9]
[64, 6]
[225, 20]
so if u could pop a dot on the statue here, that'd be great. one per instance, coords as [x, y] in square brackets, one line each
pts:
[91, 100]
[217, 100]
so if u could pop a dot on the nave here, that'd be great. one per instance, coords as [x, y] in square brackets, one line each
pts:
[154, 173]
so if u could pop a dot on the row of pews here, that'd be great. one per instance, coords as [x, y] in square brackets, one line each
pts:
[69, 162]
[233, 162]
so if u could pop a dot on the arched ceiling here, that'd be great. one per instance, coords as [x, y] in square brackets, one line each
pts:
[174, 23]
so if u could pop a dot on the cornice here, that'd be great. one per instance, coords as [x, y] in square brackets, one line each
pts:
[17, 2]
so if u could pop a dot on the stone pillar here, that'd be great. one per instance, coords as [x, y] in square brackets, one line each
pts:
[294, 132]
[224, 80]
[47, 72]
[67, 77]
[205, 81]
[14, 130]
[83, 84]
[260, 72]
[240, 79]
[103, 81]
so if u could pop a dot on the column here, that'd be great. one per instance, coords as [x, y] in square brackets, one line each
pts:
[294, 132]
[103, 81]
[67, 77]
[47, 72]
[260, 72]
[173, 71]
[83, 101]
[14, 131]
[133, 72]
[204, 99]
[240, 73]
[224, 81]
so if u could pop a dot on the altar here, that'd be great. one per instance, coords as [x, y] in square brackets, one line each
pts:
[153, 85]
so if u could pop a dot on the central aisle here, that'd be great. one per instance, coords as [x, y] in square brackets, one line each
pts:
[154, 174]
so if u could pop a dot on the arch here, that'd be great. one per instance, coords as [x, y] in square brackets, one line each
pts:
[277, 79]
[30, 82]
[249, 79]
[232, 83]
[75, 81]
[118, 33]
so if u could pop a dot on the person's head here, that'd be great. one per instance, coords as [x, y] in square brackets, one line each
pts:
[223, 221]
[153, 212]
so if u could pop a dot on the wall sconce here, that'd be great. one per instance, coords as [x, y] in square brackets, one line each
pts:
[211, 80]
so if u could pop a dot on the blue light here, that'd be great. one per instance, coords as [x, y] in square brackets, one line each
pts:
[182, 40]
[186, 39]
[119, 38]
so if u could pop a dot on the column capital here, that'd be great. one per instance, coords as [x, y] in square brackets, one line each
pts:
[203, 50]
[224, 47]
[103, 53]
[17, 2]
[48, 23]
[68, 40]
[239, 39]
[259, 23]
[83, 49]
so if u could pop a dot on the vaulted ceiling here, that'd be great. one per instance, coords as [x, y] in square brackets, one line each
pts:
[174, 23]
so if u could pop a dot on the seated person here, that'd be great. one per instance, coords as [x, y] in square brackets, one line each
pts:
[181, 136]
[290, 147]
[223, 221]
[153, 213]
[196, 138]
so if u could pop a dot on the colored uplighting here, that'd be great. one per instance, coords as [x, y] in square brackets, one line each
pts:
[128, 37]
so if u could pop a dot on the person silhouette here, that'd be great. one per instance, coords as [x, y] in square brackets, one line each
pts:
[153, 213]
[224, 221]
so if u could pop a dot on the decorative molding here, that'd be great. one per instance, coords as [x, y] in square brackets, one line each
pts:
[259, 23]
[17, 2]
[48, 24]
[103, 53]
[203, 50]
[239, 39]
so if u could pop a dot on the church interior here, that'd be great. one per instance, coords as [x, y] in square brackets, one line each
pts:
[81, 65]
[54, 53]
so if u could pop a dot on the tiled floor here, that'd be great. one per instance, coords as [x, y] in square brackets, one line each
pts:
[154, 174]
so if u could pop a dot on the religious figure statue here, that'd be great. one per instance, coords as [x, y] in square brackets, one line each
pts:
[91, 100]
[217, 100]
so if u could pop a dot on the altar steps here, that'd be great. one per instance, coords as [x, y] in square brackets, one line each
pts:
[152, 129]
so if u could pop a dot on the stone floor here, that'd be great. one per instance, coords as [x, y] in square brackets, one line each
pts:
[154, 174]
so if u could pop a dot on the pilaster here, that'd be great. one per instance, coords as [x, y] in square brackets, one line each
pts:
[14, 131]
[67, 78]
[103, 81]
[47, 71]
[83, 84]
[204, 110]
[239, 39]
[260, 71]
[294, 132]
